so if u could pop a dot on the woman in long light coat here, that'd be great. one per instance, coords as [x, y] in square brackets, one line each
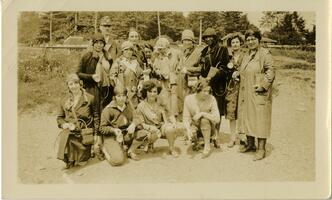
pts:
[255, 95]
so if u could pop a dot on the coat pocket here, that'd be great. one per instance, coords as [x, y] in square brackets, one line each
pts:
[261, 98]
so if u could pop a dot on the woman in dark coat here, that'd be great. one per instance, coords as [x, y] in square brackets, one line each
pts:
[76, 109]
[117, 127]
[214, 60]
[255, 94]
[93, 70]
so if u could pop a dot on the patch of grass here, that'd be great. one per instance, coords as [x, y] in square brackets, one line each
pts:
[41, 76]
[41, 92]
[298, 66]
[308, 56]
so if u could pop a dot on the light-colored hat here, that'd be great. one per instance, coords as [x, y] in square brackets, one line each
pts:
[126, 45]
[73, 78]
[106, 20]
[187, 35]
[162, 43]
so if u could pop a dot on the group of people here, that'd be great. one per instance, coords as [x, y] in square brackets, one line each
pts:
[127, 98]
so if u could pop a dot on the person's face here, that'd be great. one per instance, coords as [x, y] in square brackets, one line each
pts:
[209, 40]
[120, 99]
[128, 53]
[152, 95]
[105, 29]
[148, 52]
[74, 86]
[98, 46]
[235, 44]
[187, 44]
[252, 42]
[205, 92]
[133, 37]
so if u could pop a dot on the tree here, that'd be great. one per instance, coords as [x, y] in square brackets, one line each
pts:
[288, 30]
[209, 19]
[28, 24]
[272, 19]
[311, 36]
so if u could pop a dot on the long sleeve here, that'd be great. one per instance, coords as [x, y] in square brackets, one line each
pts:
[61, 116]
[223, 60]
[269, 71]
[81, 69]
[114, 72]
[105, 127]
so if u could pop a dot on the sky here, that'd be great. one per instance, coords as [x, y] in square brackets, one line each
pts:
[254, 17]
[309, 18]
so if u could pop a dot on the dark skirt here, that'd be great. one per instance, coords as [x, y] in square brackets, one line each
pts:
[231, 99]
[71, 149]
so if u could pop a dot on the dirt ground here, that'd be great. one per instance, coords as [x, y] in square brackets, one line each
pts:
[290, 150]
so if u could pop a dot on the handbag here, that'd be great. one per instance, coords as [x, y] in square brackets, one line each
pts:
[86, 133]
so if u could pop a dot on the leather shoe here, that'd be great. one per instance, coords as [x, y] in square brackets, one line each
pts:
[247, 148]
[133, 156]
[260, 154]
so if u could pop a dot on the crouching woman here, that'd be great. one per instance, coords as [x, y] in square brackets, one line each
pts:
[117, 127]
[152, 121]
[77, 111]
[200, 115]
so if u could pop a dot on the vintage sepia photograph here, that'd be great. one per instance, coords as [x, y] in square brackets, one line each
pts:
[138, 98]
[166, 96]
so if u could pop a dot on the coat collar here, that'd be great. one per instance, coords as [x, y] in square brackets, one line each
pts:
[81, 102]
[115, 106]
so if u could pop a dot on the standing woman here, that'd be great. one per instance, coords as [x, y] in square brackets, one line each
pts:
[214, 60]
[235, 42]
[126, 70]
[90, 72]
[76, 108]
[166, 68]
[255, 97]
[93, 70]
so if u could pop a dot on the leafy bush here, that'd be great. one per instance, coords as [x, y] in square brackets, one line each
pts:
[41, 76]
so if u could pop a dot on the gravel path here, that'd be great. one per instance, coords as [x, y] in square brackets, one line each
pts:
[290, 156]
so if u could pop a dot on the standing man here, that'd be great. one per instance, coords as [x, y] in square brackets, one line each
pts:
[111, 46]
[111, 51]
[214, 60]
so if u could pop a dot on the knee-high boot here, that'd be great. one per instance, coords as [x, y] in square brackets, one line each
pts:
[260, 154]
[250, 147]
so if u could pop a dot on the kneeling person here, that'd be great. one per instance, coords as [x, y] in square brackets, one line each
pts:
[117, 127]
[200, 115]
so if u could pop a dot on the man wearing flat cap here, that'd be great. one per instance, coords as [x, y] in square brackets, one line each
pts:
[214, 60]
[111, 46]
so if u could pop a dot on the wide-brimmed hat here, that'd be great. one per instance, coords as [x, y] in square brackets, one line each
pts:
[162, 43]
[187, 35]
[98, 37]
[209, 32]
[126, 45]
